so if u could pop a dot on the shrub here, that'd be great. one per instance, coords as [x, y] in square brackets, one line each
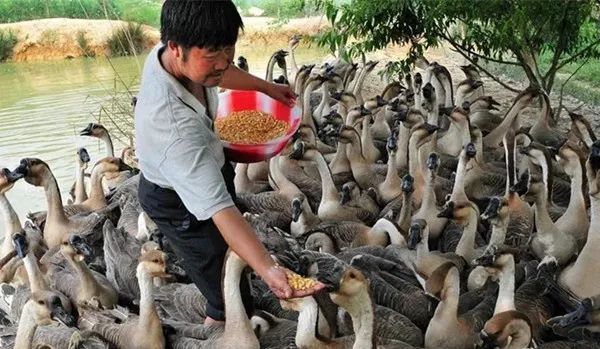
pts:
[127, 40]
[8, 40]
[83, 44]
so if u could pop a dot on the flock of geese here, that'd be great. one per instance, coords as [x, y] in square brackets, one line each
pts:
[434, 219]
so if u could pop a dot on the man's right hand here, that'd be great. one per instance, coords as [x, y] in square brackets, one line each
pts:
[276, 279]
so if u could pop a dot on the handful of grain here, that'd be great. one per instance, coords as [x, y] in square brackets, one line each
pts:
[299, 283]
[250, 127]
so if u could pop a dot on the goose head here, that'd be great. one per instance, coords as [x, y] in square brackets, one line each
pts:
[352, 283]
[484, 103]
[535, 187]
[75, 248]
[582, 128]
[152, 261]
[460, 114]
[392, 144]
[333, 117]
[505, 329]
[418, 82]
[418, 231]
[320, 242]
[496, 211]
[422, 133]
[242, 63]
[370, 65]
[429, 97]
[279, 57]
[460, 212]
[8, 179]
[593, 169]
[346, 98]
[94, 130]
[35, 171]
[375, 103]
[83, 158]
[46, 308]
[297, 203]
[27, 239]
[433, 162]
[470, 71]
[348, 134]
[408, 183]
[348, 192]
[129, 157]
[294, 41]
[441, 280]
[570, 158]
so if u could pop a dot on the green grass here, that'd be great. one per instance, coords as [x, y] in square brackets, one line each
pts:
[8, 40]
[127, 40]
[583, 85]
[140, 11]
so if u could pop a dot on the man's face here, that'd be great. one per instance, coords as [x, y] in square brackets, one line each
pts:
[206, 66]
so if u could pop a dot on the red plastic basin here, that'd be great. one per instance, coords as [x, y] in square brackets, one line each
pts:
[232, 101]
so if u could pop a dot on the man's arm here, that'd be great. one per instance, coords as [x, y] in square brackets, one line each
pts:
[237, 79]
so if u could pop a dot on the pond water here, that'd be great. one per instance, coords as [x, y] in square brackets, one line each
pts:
[44, 105]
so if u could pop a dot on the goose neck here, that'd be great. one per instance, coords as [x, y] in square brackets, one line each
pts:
[237, 323]
[595, 218]
[307, 318]
[458, 191]
[498, 235]
[543, 221]
[34, 274]
[493, 138]
[521, 338]
[80, 194]
[12, 224]
[110, 150]
[466, 245]
[393, 233]
[87, 280]
[329, 190]
[148, 314]
[270, 67]
[402, 152]
[363, 319]
[447, 309]
[53, 199]
[27, 327]
[96, 191]
[405, 212]
[506, 293]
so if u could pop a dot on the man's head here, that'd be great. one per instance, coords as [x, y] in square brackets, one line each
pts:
[201, 35]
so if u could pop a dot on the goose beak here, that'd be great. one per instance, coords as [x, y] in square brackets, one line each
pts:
[595, 156]
[84, 156]
[471, 150]
[433, 161]
[87, 131]
[158, 238]
[59, 314]
[81, 247]
[578, 317]
[124, 167]
[447, 211]
[345, 195]
[477, 84]
[431, 128]
[485, 341]
[296, 210]
[20, 243]
[392, 144]
[12, 177]
[298, 152]
[19, 172]
[414, 236]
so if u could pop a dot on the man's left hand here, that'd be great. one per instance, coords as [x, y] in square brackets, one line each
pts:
[282, 93]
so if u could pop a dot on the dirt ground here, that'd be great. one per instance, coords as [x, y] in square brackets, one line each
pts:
[56, 38]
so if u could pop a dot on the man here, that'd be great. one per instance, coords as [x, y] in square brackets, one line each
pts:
[186, 185]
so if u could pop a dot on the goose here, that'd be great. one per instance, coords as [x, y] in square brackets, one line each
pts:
[330, 207]
[324, 107]
[575, 219]
[548, 240]
[144, 331]
[369, 151]
[237, 331]
[243, 184]
[468, 90]
[103, 168]
[358, 84]
[84, 286]
[79, 193]
[507, 330]
[273, 332]
[362, 168]
[310, 322]
[276, 58]
[311, 84]
[448, 329]
[544, 130]
[390, 188]
[57, 225]
[303, 218]
[429, 210]
[582, 129]
[12, 223]
[581, 277]
[492, 140]
[452, 141]
[42, 309]
[428, 261]
[392, 90]
[528, 298]
[481, 113]
[466, 216]
[98, 131]
[292, 46]
[408, 119]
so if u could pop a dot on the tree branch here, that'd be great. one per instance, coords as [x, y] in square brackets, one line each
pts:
[471, 52]
[562, 88]
[577, 54]
[496, 79]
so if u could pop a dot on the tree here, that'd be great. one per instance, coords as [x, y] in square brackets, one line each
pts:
[513, 32]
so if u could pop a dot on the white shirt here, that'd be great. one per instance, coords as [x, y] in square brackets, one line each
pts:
[175, 142]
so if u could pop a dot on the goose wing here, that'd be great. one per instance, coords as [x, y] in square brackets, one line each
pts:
[181, 302]
[121, 252]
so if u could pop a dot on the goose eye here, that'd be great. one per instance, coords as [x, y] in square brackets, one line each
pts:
[65, 243]
[155, 261]
[352, 276]
[40, 302]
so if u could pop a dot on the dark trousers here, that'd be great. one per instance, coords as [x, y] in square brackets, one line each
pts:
[198, 243]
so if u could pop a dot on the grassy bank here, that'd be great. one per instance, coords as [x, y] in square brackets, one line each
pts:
[139, 11]
[583, 85]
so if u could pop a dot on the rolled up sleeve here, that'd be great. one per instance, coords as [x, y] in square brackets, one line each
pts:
[195, 175]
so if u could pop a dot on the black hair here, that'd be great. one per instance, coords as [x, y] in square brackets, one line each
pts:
[210, 24]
